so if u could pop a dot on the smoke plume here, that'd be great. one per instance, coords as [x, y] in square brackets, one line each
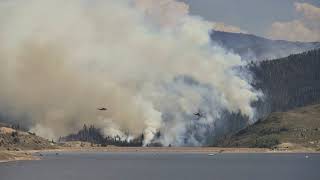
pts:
[147, 61]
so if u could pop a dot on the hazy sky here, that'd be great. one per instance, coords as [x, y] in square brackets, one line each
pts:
[254, 16]
[293, 20]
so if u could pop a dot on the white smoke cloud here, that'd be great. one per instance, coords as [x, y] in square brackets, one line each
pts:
[61, 60]
[163, 12]
[170, 12]
[305, 29]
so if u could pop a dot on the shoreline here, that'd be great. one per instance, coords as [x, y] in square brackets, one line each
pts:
[198, 150]
[9, 156]
[23, 155]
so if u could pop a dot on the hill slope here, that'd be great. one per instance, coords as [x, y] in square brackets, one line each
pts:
[286, 83]
[299, 127]
[289, 82]
[12, 139]
[251, 47]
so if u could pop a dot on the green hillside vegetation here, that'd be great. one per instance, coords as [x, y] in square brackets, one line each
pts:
[289, 82]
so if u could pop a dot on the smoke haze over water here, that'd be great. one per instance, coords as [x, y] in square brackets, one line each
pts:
[148, 61]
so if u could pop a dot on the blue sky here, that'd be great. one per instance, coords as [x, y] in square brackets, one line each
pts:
[254, 16]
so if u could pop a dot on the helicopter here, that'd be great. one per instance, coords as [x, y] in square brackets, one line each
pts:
[102, 109]
[199, 114]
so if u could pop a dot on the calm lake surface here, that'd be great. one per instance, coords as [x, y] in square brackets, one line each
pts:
[164, 166]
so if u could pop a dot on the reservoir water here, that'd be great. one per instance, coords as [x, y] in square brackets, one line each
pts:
[164, 166]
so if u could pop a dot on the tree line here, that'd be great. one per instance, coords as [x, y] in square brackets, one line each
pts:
[94, 135]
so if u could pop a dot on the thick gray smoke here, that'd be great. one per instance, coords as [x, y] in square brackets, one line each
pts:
[148, 61]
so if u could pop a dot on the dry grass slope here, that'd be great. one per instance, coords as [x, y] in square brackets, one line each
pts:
[299, 128]
[11, 139]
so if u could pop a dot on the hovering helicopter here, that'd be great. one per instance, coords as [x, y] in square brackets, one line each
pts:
[102, 109]
[199, 114]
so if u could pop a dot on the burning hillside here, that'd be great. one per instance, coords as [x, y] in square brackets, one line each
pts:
[152, 67]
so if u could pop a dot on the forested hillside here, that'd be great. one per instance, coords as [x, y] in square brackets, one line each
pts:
[289, 82]
[286, 83]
